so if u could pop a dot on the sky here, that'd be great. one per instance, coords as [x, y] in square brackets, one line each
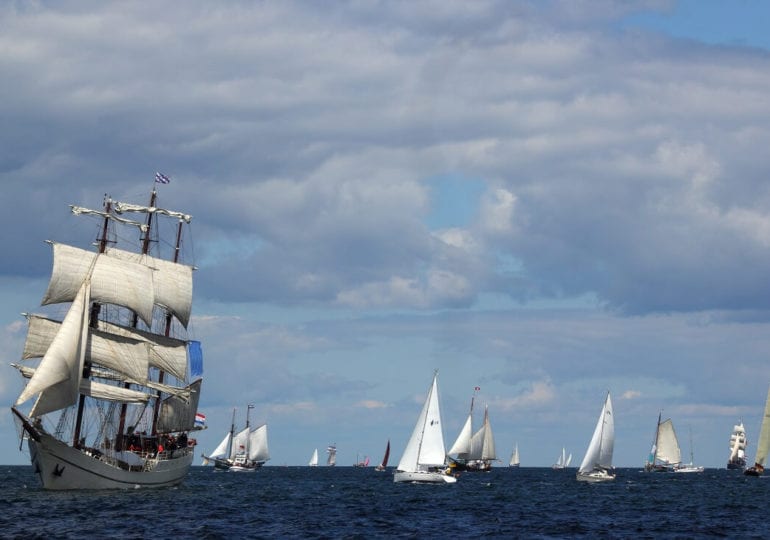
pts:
[548, 200]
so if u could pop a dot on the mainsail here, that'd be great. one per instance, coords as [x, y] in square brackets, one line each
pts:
[119, 367]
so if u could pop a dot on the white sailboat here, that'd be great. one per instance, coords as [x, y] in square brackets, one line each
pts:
[738, 443]
[314, 459]
[117, 385]
[473, 451]
[597, 463]
[424, 458]
[689, 467]
[563, 461]
[514, 461]
[244, 451]
[763, 445]
[665, 454]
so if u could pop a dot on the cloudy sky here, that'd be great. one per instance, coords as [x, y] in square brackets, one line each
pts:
[547, 200]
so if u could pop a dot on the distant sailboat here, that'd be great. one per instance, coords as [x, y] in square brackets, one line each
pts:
[665, 452]
[597, 463]
[514, 462]
[563, 461]
[384, 465]
[474, 451]
[244, 451]
[738, 442]
[314, 459]
[688, 467]
[424, 458]
[364, 463]
[763, 445]
[331, 460]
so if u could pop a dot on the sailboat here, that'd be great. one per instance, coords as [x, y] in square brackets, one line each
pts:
[249, 448]
[563, 461]
[118, 383]
[763, 445]
[361, 464]
[597, 463]
[689, 467]
[665, 454]
[244, 451]
[514, 461]
[424, 458]
[384, 464]
[331, 459]
[738, 443]
[314, 459]
[473, 451]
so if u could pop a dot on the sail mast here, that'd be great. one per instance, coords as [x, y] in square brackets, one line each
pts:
[93, 323]
[167, 329]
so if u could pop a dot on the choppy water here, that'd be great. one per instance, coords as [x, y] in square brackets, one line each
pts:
[348, 502]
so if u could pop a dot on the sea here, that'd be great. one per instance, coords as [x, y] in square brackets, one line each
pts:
[350, 502]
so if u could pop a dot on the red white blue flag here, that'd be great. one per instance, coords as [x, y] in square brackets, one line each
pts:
[200, 420]
[162, 178]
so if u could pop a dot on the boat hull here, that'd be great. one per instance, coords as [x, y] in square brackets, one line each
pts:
[62, 467]
[423, 477]
[595, 476]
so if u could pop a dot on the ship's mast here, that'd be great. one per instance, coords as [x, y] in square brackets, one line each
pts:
[92, 322]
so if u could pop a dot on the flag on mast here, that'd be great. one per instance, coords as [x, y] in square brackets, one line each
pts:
[162, 178]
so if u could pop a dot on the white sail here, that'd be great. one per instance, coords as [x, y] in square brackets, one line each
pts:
[763, 443]
[514, 461]
[600, 448]
[57, 378]
[426, 444]
[127, 356]
[172, 282]
[98, 390]
[462, 445]
[113, 281]
[331, 459]
[314, 458]
[258, 450]
[166, 353]
[221, 451]
[488, 440]
[240, 441]
[668, 450]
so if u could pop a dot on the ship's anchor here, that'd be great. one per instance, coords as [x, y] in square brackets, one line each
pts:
[57, 471]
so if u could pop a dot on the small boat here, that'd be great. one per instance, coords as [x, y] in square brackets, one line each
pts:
[384, 464]
[117, 382]
[314, 459]
[361, 464]
[738, 443]
[665, 454]
[763, 445]
[563, 461]
[514, 462]
[424, 458]
[331, 459]
[689, 467]
[597, 463]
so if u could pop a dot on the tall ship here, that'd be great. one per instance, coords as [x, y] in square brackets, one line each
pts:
[738, 443]
[331, 459]
[111, 375]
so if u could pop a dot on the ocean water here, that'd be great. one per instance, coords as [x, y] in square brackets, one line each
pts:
[349, 502]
